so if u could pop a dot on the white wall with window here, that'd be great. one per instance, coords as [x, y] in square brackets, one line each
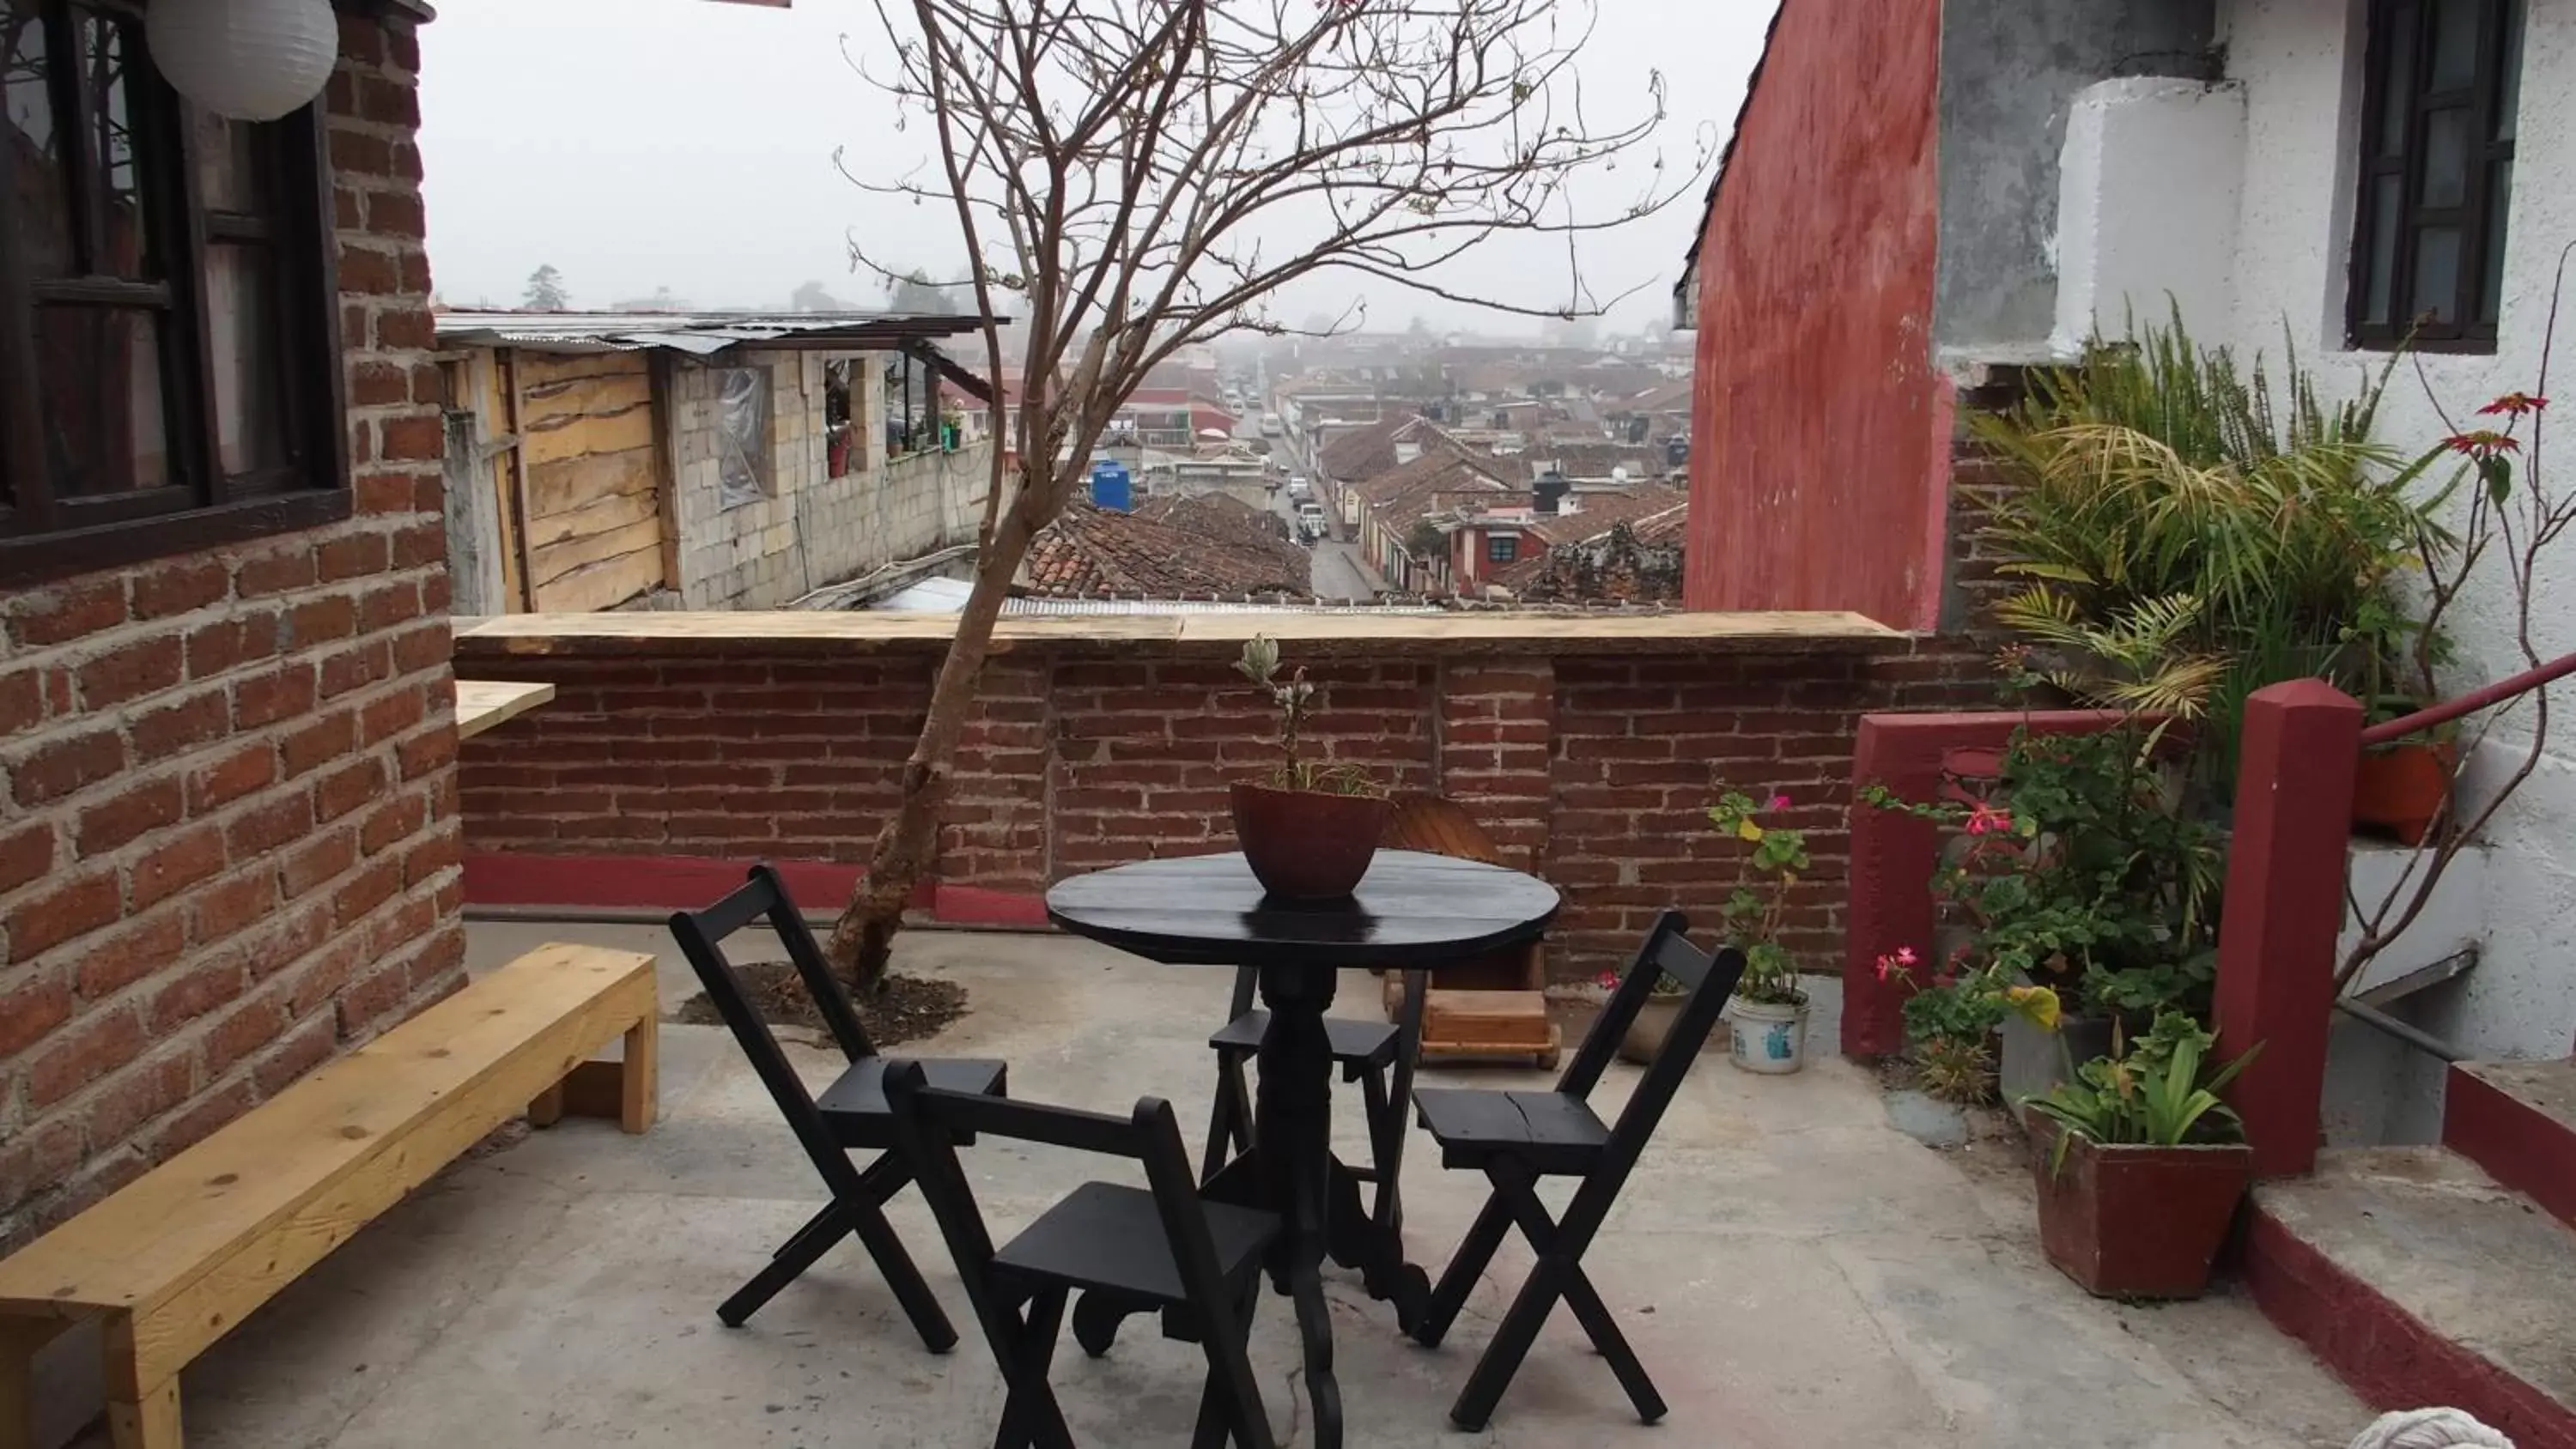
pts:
[2404, 160]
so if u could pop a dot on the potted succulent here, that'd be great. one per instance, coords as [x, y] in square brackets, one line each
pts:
[1308, 828]
[1767, 1016]
[2140, 1165]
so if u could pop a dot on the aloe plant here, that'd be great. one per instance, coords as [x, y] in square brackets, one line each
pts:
[2157, 1092]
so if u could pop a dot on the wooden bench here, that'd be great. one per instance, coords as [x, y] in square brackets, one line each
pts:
[172, 1261]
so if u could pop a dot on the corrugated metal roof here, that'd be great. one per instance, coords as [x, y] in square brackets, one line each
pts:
[700, 334]
[948, 596]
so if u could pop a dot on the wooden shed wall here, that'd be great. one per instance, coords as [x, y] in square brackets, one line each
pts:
[592, 477]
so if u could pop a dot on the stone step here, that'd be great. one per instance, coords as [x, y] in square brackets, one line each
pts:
[2518, 1121]
[2422, 1281]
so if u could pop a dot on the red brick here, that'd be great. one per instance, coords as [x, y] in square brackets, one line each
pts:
[177, 585]
[268, 827]
[393, 213]
[62, 912]
[167, 729]
[324, 739]
[365, 271]
[402, 47]
[424, 646]
[401, 329]
[245, 769]
[138, 1095]
[265, 699]
[369, 888]
[134, 950]
[442, 851]
[82, 1053]
[317, 860]
[201, 1120]
[318, 621]
[391, 604]
[389, 716]
[66, 612]
[346, 788]
[37, 1157]
[183, 998]
[362, 42]
[276, 572]
[394, 820]
[365, 1001]
[26, 852]
[304, 1048]
[227, 642]
[422, 754]
[66, 763]
[33, 1009]
[356, 667]
[251, 1026]
[351, 555]
[229, 907]
[22, 700]
[413, 439]
[384, 493]
[144, 806]
[177, 864]
[355, 154]
[388, 102]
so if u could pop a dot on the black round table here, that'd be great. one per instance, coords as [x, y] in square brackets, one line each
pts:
[1412, 911]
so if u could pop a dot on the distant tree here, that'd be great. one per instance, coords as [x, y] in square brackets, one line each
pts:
[915, 292]
[1420, 329]
[545, 291]
[1573, 332]
[811, 297]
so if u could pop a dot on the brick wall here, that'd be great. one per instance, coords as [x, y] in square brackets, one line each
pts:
[231, 845]
[1591, 767]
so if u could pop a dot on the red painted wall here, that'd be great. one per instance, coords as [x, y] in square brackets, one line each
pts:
[1820, 453]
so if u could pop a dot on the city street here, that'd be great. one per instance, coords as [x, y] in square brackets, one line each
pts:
[1339, 571]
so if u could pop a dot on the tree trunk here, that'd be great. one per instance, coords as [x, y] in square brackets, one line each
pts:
[863, 938]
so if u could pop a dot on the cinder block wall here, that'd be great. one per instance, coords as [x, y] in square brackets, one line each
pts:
[228, 841]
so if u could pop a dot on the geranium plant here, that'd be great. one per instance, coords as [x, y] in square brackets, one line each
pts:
[1770, 861]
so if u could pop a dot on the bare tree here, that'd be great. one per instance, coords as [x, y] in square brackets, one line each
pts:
[1133, 176]
[2510, 513]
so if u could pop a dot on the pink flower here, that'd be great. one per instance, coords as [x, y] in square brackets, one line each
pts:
[1892, 966]
[1607, 981]
[1987, 820]
[1779, 802]
[1904, 955]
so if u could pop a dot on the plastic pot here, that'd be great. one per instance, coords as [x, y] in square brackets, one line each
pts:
[2400, 789]
[1765, 1037]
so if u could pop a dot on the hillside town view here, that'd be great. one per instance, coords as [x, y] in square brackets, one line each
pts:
[1435, 722]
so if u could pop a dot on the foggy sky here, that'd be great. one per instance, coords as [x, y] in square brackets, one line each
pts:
[638, 144]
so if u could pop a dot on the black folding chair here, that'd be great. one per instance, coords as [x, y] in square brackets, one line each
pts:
[1516, 1138]
[1166, 1248]
[1368, 1052]
[850, 1115]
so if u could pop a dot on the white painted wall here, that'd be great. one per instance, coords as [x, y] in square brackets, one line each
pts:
[2298, 62]
[2149, 190]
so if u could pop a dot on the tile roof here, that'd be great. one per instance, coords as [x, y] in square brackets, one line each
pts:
[1364, 453]
[1599, 512]
[1596, 459]
[1226, 519]
[1092, 550]
[1620, 548]
[1413, 492]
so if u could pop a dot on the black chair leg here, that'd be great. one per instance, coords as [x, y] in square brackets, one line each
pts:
[1459, 1278]
[1229, 1408]
[1386, 1152]
[1030, 1415]
[1559, 1274]
[1229, 1124]
[789, 1263]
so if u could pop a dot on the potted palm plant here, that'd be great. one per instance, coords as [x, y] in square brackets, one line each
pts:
[1308, 828]
[1767, 1016]
[2141, 1164]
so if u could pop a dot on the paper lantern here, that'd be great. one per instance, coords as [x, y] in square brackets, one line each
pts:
[251, 60]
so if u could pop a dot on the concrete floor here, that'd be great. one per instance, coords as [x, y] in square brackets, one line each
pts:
[1792, 1271]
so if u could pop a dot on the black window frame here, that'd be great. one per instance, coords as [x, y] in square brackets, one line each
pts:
[1502, 548]
[46, 533]
[2493, 89]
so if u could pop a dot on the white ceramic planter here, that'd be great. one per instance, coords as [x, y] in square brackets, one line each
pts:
[1768, 1039]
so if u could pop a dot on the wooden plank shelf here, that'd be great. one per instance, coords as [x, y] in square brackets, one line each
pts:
[483, 703]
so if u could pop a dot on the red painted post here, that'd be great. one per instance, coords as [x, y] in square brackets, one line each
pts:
[2285, 908]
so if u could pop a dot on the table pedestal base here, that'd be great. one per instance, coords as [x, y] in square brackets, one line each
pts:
[1291, 1171]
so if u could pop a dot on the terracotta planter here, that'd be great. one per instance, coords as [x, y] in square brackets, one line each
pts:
[2400, 789]
[1645, 1035]
[1305, 845]
[2137, 1222]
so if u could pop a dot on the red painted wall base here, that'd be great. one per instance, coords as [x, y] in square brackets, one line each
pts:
[676, 883]
[2519, 1145]
[2387, 1356]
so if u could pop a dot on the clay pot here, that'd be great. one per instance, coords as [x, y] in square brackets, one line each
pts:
[1305, 845]
[2137, 1222]
[2399, 789]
